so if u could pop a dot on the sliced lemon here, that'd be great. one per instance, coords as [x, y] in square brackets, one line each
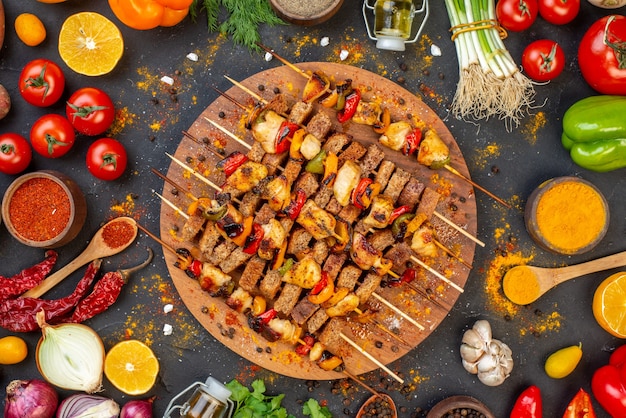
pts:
[132, 367]
[609, 304]
[90, 44]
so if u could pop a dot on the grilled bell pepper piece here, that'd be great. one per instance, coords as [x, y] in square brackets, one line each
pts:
[342, 88]
[407, 277]
[233, 161]
[295, 205]
[322, 291]
[400, 210]
[385, 120]
[349, 108]
[331, 165]
[316, 165]
[412, 143]
[364, 192]
[296, 143]
[283, 138]
[594, 132]
[253, 241]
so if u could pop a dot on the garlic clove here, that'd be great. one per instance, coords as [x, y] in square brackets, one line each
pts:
[470, 366]
[483, 329]
[471, 354]
[473, 339]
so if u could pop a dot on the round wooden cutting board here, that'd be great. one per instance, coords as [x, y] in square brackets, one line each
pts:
[457, 204]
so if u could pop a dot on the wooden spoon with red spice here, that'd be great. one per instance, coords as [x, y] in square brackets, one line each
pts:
[114, 237]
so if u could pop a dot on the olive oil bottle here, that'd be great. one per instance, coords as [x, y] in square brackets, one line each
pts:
[393, 18]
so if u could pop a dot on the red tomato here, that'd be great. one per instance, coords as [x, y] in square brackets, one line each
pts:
[600, 61]
[543, 60]
[90, 110]
[559, 12]
[106, 159]
[15, 153]
[52, 135]
[517, 15]
[41, 82]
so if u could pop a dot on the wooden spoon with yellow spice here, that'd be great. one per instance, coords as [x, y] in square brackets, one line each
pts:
[526, 284]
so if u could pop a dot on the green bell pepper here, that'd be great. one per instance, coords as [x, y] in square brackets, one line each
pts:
[594, 131]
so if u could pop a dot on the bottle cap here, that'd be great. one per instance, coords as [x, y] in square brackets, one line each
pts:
[217, 389]
[391, 43]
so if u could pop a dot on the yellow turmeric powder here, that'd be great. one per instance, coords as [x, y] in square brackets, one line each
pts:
[520, 285]
[570, 216]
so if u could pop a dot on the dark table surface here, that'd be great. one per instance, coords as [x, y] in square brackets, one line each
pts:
[510, 164]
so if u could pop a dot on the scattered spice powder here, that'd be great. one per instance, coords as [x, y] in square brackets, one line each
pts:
[532, 126]
[39, 209]
[123, 117]
[115, 234]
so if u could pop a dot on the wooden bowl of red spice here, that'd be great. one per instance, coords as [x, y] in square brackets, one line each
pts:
[44, 209]
[567, 215]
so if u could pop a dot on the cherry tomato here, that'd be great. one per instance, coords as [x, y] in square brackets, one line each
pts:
[106, 159]
[52, 135]
[517, 15]
[41, 82]
[559, 12]
[90, 110]
[543, 60]
[15, 153]
[599, 55]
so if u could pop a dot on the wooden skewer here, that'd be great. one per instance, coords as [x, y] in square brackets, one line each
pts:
[478, 186]
[436, 273]
[428, 297]
[458, 228]
[345, 372]
[448, 167]
[247, 90]
[398, 311]
[372, 358]
[452, 254]
[228, 133]
[194, 172]
[217, 152]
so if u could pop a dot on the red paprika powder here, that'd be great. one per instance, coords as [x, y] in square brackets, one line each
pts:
[39, 209]
[116, 234]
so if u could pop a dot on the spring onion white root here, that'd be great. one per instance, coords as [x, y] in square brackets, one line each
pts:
[490, 83]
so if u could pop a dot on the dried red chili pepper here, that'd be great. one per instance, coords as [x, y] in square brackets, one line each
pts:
[27, 278]
[105, 292]
[19, 315]
[232, 162]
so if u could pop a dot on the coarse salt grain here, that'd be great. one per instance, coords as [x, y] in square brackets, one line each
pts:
[167, 80]
[268, 56]
[168, 308]
[192, 56]
[435, 51]
[167, 329]
[325, 41]
[343, 54]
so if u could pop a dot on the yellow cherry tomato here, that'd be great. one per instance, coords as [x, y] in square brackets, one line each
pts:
[30, 29]
[12, 350]
[563, 362]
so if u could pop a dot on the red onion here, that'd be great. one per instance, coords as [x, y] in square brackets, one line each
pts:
[82, 405]
[140, 408]
[30, 398]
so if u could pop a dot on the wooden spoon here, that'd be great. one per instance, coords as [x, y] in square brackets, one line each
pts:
[97, 248]
[383, 400]
[525, 284]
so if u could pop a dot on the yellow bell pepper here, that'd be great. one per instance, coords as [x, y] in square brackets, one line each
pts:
[149, 14]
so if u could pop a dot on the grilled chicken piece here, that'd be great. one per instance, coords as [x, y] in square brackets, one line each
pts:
[395, 135]
[319, 223]
[423, 242]
[214, 280]
[311, 146]
[306, 273]
[433, 152]
[367, 257]
[273, 237]
[285, 330]
[277, 192]
[348, 178]
[265, 129]
[245, 177]
[380, 212]
[346, 305]
[240, 300]
[367, 113]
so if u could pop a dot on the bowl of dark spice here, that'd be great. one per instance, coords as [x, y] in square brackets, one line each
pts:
[378, 406]
[44, 209]
[460, 406]
[306, 13]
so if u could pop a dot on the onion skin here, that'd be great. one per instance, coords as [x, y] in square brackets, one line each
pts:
[140, 408]
[83, 405]
[30, 398]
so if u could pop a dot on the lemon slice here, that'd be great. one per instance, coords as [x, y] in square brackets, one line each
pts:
[132, 367]
[609, 304]
[90, 44]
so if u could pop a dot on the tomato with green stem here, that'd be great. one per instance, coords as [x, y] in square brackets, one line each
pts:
[52, 135]
[41, 82]
[543, 60]
[90, 110]
[559, 12]
[15, 153]
[107, 159]
[517, 15]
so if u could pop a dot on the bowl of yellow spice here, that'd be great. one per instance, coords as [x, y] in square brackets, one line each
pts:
[567, 215]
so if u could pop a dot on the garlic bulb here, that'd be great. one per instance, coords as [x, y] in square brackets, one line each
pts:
[483, 355]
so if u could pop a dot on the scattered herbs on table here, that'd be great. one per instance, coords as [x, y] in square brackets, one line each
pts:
[244, 18]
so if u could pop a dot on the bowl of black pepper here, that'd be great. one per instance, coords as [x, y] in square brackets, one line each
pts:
[378, 406]
[460, 406]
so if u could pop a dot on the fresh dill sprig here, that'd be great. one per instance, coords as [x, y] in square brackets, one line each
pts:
[242, 23]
